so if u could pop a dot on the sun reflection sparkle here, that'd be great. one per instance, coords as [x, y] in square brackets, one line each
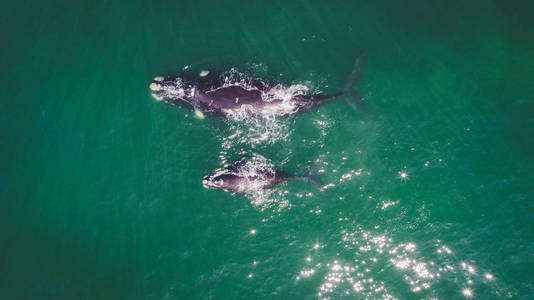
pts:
[355, 277]
[467, 292]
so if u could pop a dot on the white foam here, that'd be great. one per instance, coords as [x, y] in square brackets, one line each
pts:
[284, 93]
[257, 173]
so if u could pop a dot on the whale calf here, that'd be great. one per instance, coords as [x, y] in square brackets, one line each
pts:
[218, 95]
[247, 177]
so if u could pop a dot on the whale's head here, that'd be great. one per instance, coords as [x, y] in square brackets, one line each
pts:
[175, 90]
[222, 180]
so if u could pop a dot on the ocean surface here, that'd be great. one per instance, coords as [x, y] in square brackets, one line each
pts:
[428, 191]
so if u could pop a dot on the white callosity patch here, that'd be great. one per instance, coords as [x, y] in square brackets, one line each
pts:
[172, 90]
[156, 87]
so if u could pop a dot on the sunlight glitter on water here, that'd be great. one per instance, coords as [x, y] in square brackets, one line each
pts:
[371, 250]
[251, 132]
[467, 292]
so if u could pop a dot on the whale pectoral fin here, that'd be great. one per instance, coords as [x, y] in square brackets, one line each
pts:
[199, 114]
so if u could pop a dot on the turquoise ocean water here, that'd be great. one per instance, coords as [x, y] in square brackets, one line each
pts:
[429, 190]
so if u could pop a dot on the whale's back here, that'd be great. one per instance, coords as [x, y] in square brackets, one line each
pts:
[233, 97]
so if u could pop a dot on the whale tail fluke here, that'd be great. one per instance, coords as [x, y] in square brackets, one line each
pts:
[316, 182]
[352, 87]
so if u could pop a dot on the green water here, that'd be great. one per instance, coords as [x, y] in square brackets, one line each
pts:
[430, 190]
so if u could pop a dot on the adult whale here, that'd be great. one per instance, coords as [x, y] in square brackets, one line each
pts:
[213, 94]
